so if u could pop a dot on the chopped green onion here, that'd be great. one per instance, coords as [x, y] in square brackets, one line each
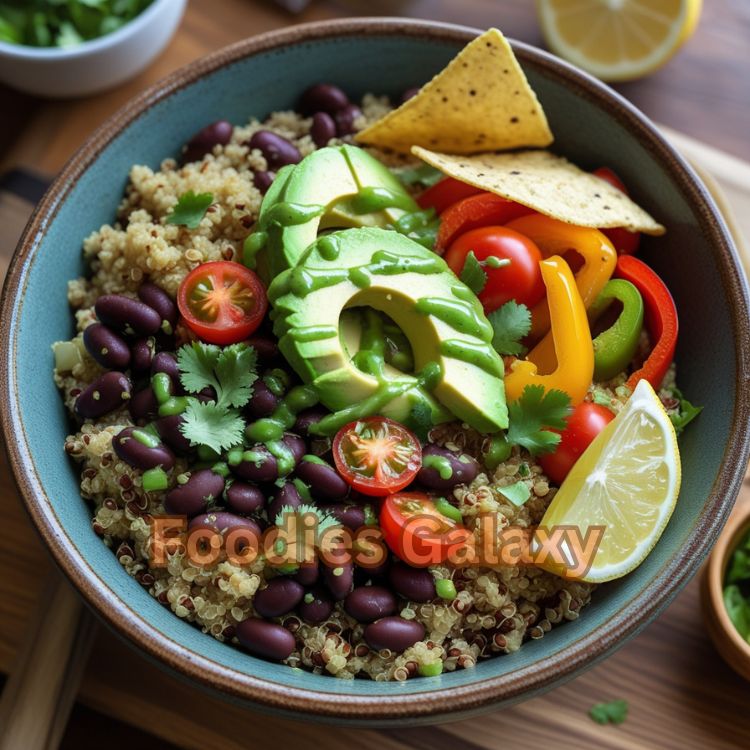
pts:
[155, 479]
[430, 670]
[443, 507]
[446, 589]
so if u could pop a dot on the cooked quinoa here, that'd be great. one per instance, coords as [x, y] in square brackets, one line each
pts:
[495, 610]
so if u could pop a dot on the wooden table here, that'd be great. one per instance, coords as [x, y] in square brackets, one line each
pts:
[681, 694]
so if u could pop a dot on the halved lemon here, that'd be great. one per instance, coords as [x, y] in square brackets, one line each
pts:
[626, 482]
[617, 40]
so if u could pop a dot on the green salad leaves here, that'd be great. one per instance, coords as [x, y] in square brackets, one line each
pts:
[64, 23]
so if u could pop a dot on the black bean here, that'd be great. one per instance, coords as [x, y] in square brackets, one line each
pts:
[245, 498]
[142, 352]
[225, 523]
[167, 362]
[345, 119]
[308, 573]
[281, 595]
[286, 495]
[265, 348]
[323, 479]
[339, 579]
[156, 298]
[202, 488]
[323, 128]
[169, 429]
[393, 633]
[203, 142]
[142, 450]
[307, 418]
[107, 393]
[351, 516]
[263, 402]
[409, 94]
[278, 151]
[370, 603]
[323, 97]
[415, 584]
[143, 405]
[266, 639]
[296, 445]
[377, 573]
[206, 394]
[128, 315]
[316, 606]
[260, 466]
[108, 348]
[263, 180]
[464, 469]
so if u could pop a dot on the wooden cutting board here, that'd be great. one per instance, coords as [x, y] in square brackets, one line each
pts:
[681, 694]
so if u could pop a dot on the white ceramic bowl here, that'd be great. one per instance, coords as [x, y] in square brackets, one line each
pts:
[94, 65]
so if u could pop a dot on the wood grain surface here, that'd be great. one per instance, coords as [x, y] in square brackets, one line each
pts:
[681, 694]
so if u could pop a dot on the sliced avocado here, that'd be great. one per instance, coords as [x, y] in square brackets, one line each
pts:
[333, 187]
[450, 337]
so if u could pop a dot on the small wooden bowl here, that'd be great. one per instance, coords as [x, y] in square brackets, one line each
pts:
[734, 649]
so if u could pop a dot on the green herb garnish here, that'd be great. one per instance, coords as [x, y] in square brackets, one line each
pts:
[231, 372]
[472, 274]
[530, 415]
[423, 175]
[510, 324]
[737, 585]
[686, 413]
[190, 209]
[612, 712]
[64, 23]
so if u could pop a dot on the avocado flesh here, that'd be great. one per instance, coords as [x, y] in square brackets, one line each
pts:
[403, 277]
[330, 179]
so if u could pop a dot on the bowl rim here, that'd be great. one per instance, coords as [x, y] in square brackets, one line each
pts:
[429, 704]
[90, 46]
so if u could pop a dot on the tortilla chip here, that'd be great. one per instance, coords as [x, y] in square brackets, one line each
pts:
[550, 185]
[480, 102]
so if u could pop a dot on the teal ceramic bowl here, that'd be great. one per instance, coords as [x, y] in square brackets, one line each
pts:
[593, 126]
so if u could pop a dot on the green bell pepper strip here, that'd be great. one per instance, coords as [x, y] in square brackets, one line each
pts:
[615, 348]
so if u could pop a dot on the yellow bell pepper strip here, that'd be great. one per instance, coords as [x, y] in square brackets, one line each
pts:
[555, 237]
[571, 339]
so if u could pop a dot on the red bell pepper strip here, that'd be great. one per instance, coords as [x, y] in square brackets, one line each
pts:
[660, 315]
[483, 210]
[445, 193]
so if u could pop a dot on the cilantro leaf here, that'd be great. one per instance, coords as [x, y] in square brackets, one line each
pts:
[472, 274]
[686, 414]
[532, 413]
[190, 209]
[236, 373]
[420, 420]
[212, 425]
[510, 324]
[424, 175]
[231, 371]
[518, 492]
[196, 362]
[613, 712]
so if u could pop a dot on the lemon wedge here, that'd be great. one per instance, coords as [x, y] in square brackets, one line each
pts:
[626, 483]
[617, 40]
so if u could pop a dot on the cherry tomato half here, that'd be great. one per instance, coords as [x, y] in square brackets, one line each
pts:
[584, 424]
[222, 302]
[521, 280]
[377, 456]
[624, 241]
[445, 193]
[417, 532]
